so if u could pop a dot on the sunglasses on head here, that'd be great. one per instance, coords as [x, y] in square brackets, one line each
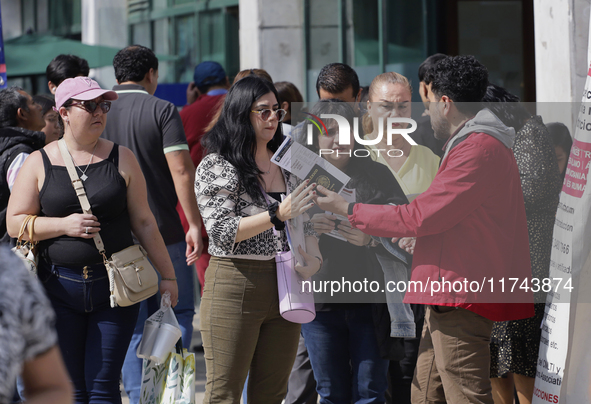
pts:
[266, 114]
[91, 106]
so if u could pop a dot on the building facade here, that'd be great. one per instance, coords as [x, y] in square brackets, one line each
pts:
[535, 48]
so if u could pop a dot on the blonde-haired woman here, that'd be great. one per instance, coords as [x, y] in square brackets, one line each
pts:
[413, 166]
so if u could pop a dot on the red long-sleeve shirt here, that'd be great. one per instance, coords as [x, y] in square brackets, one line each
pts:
[470, 225]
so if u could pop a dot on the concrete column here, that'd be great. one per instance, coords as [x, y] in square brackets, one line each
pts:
[553, 33]
[250, 34]
[104, 22]
[271, 38]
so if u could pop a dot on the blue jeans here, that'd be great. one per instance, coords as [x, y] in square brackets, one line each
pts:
[184, 311]
[345, 357]
[402, 321]
[93, 337]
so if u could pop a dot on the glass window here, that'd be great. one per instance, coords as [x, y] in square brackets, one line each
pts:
[211, 36]
[232, 64]
[65, 17]
[162, 46]
[159, 4]
[324, 32]
[404, 30]
[191, 36]
[366, 40]
[323, 39]
[497, 46]
[185, 48]
[366, 35]
[406, 45]
[42, 15]
[29, 7]
[141, 34]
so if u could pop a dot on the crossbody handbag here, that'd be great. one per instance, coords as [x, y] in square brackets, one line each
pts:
[132, 278]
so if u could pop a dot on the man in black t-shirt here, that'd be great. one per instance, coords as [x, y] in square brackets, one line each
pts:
[153, 130]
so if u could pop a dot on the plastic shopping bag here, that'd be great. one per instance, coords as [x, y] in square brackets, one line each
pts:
[172, 382]
[161, 332]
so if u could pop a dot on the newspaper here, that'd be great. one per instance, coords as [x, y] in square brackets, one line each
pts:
[305, 164]
[295, 236]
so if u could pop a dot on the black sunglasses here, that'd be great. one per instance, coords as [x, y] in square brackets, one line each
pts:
[91, 106]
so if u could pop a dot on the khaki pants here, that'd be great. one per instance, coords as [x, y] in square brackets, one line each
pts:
[454, 358]
[243, 332]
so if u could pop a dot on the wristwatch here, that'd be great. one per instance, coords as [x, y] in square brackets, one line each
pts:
[279, 225]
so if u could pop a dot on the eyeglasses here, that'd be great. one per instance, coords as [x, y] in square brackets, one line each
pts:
[266, 114]
[91, 106]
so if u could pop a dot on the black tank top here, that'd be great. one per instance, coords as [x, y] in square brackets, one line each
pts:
[107, 193]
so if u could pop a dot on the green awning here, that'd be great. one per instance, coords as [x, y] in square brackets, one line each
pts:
[30, 54]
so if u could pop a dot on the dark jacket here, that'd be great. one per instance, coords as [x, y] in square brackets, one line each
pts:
[13, 141]
[374, 184]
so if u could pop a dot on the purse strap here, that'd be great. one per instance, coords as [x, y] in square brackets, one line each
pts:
[32, 229]
[80, 191]
[29, 220]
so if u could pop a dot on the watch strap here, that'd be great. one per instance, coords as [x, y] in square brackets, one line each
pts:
[278, 224]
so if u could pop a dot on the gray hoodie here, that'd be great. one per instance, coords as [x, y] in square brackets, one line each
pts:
[487, 122]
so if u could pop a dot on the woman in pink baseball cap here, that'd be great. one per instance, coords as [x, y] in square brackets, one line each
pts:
[93, 337]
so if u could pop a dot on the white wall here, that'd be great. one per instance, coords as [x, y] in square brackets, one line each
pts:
[104, 22]
[271, 38]
[11, 19]
[561, 42]
[249, 34]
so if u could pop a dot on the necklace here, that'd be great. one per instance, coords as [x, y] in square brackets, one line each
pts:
[272, 177]
[269, 170]
[84, 177]
[270, 165]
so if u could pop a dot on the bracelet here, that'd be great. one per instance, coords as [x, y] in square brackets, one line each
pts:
[319, 259]
[278, 224]
[168, 279]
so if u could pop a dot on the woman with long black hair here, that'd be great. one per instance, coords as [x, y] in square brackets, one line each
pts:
[239, 192]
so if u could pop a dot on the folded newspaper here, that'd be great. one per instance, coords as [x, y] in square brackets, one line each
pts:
[305, 164]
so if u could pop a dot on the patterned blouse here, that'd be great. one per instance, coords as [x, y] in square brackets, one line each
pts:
[223, 201]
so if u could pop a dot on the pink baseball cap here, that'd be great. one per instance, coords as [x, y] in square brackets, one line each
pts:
[81, 88]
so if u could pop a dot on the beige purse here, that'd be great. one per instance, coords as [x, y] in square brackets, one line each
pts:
[132, 278]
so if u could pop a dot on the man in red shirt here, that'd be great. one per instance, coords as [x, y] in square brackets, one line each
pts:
[471, 231]
[210, 85]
